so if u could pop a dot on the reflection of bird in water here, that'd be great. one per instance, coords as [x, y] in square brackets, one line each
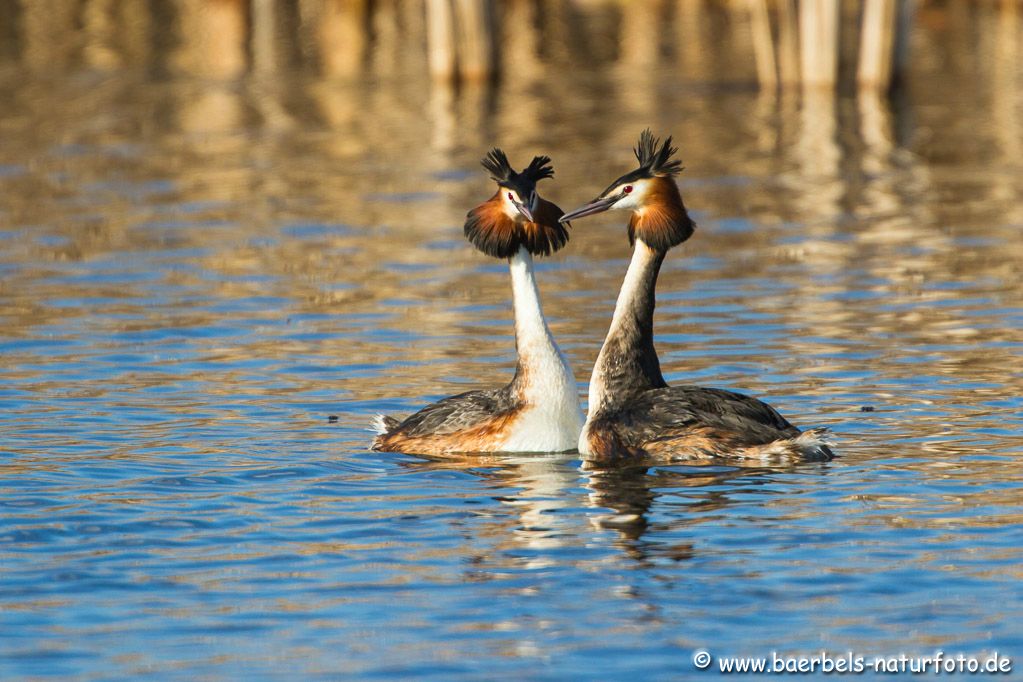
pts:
[537, 488]
[539, 410]
[629, 491]
[626, 490]
[632, 411]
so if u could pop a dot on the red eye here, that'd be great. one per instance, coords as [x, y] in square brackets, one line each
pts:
[627, 189]
[510, 197]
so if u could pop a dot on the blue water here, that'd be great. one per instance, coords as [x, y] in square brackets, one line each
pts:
[202, 308]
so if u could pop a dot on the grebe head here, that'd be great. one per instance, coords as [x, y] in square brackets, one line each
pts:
[517, 215]
[659, 217]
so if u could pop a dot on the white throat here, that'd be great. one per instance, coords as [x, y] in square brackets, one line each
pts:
[552, 419]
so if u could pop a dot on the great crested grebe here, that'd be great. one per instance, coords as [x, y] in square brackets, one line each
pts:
[632, 411]
[539, 410]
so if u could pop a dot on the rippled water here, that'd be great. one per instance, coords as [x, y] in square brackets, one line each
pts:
[208, 286]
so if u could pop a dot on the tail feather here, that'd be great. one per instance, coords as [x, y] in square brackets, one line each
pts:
[815, 444]
[383, 424]
[812, 445]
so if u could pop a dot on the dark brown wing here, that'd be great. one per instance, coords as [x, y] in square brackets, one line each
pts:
[714, 413]
[460, 412]
[468, 422]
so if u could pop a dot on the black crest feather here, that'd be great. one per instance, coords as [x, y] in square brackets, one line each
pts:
[496, 163]
[653, 156]
[654, 161]
[539, 168]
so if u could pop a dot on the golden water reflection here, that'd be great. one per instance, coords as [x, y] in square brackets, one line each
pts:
[219, 228]
[882, 225]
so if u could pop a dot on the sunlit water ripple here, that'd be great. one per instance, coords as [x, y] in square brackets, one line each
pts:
[199, 324]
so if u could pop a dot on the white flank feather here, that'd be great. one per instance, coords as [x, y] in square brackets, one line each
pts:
[378, 425]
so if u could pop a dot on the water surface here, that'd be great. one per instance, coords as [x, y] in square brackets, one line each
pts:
[201, 266]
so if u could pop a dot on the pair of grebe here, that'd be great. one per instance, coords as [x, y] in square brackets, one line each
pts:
[632, 412]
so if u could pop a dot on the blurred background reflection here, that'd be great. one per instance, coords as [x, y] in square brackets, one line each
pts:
[224, 221]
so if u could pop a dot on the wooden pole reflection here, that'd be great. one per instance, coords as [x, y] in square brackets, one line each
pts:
[440, 38]
[788, 43]
[41, 23]
[341, 30]
[212, 36]
[877, 44]
[818, 32]
[1006, 89]
[763, 44]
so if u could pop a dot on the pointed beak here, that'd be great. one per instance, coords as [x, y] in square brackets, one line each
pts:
[524, 210]
[592, 208]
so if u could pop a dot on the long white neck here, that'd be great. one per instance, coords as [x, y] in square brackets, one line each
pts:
[627, 361]
[543, 379]
[536, 347]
